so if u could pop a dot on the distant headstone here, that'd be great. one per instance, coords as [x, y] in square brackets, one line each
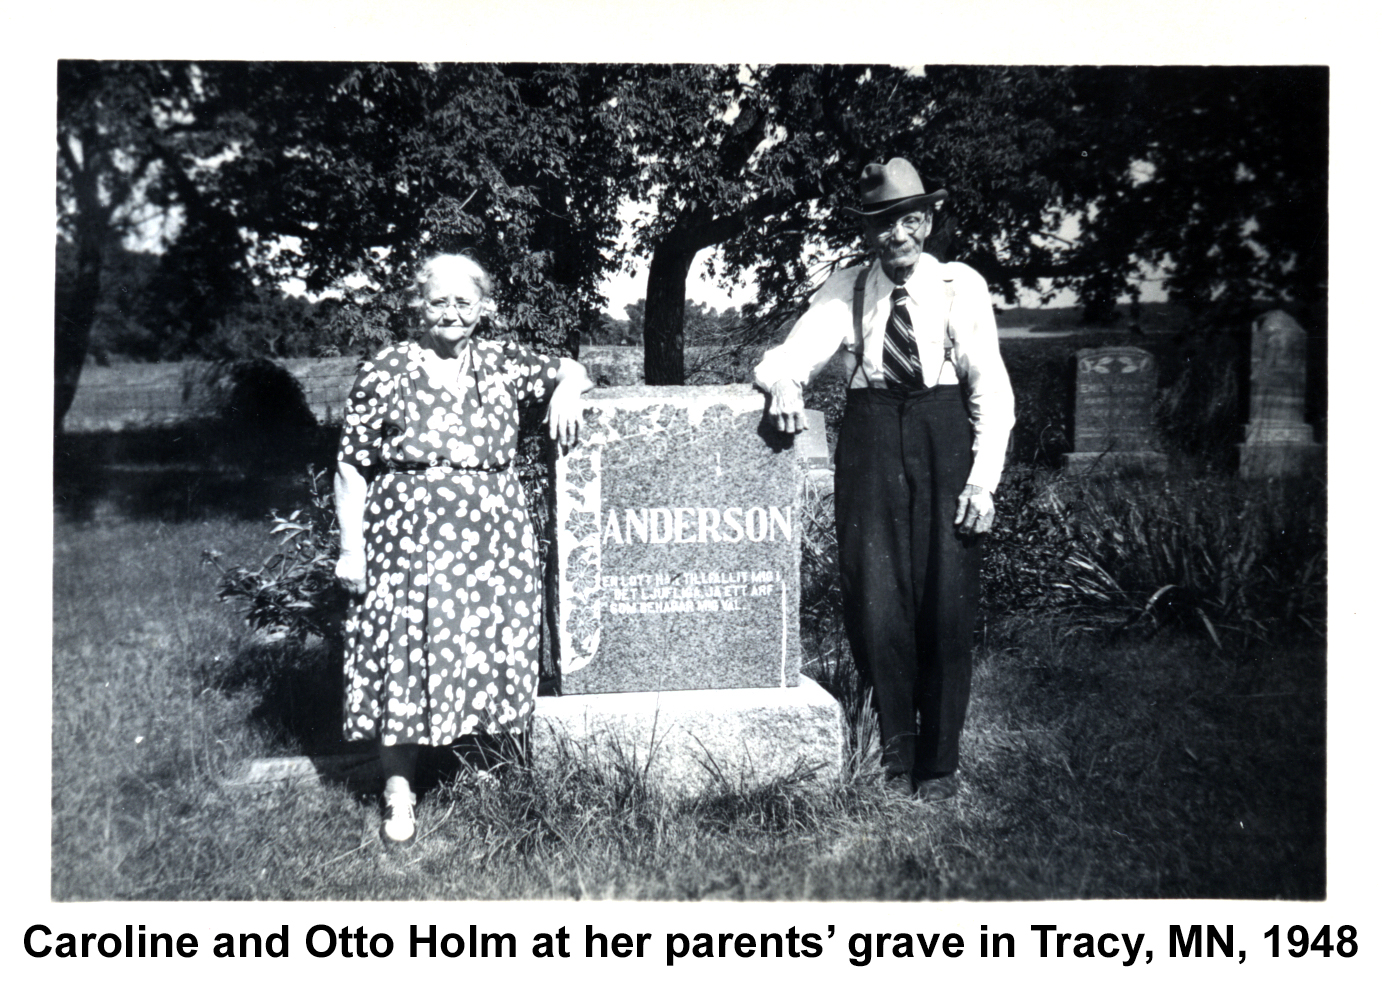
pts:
[678, 528]
[1277, 439]
[678, 531]
[1115, 390]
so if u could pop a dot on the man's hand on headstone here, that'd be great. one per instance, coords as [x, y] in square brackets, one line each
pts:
[786, 408]
[975, 514]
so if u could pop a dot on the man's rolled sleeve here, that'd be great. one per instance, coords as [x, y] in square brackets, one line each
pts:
[815, 337]
[990, 391]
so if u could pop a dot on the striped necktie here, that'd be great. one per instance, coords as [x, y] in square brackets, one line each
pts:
[901, 365]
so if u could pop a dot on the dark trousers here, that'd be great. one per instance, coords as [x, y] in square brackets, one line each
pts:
[910, 580]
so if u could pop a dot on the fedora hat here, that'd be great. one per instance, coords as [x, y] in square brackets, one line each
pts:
[890, 186]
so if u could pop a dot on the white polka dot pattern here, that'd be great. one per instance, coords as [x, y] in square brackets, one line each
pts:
[445, 641]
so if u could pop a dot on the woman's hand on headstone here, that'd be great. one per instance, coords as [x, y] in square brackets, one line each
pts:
[565, 414]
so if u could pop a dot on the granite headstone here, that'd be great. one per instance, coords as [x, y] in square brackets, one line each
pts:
[1277, 439]
[678, 537]
[1115, 390]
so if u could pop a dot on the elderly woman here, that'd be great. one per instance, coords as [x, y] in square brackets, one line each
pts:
[436, 539]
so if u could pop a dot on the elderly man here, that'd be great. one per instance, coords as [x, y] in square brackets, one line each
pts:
[928, 412]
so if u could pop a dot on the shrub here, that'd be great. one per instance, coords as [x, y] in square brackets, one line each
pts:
[821, 605]
[1240, 562]
[1043, 380]
[294, 593]
[1028, 549]
[258, 414]
[1244, 562]
[1202, 402]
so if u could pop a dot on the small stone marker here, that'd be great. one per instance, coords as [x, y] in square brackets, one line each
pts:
[679, 539]
[1114, 392]
[1278, 441]
[678, 531]
[357, 770]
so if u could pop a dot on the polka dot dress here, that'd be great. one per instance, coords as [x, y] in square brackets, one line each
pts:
[445, 641]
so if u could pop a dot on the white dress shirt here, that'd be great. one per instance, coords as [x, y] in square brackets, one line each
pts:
[828, 324]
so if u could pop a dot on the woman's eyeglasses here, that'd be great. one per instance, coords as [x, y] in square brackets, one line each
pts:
[441, 304]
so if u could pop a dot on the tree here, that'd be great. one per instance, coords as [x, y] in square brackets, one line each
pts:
[124, 134]
[345, 175]
[333, 171]
[118, 323]
[370, 167]
[760, 160]
[1216, 176]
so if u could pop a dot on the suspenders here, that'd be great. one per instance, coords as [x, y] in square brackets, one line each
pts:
[858, 351]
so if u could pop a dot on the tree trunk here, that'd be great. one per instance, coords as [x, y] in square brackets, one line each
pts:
[74, 316]
[664, 317]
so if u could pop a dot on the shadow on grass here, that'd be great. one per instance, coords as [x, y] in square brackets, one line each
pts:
[298, 688]
[300, 711]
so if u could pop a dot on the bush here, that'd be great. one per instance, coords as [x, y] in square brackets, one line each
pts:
[1202, 403]
[822, 616]
[1028, 549]
[1240, 563]
[259, 414]
[294, 593]
[1043, 380]
[1243, 563]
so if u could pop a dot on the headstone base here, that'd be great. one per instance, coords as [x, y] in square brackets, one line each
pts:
[1265, 460]
[1140, 462]
[813, 454]
[693, 741]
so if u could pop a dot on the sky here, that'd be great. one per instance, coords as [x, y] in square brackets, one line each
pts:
[621, 289]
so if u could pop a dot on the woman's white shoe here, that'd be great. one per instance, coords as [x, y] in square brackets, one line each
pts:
[400, 824]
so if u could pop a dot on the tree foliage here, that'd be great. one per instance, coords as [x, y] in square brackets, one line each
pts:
[768, 174]
[341, 175]
[124, 138]
[344, 175]
[702, 324]
[1213, 178]
[368, 168]
[1218, 176]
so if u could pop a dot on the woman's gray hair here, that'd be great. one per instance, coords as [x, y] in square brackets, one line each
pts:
[458, 263]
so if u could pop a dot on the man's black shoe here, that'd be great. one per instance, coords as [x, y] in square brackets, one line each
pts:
[897, 784]
[937, 788]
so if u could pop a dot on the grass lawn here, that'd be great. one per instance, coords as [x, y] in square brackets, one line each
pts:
[1093, 769]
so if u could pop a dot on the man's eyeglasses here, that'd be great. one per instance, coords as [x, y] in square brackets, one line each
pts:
[883, 228]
